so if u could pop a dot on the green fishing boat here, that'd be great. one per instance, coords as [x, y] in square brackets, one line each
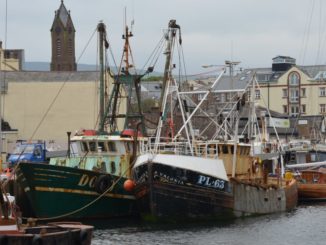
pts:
[90, 181]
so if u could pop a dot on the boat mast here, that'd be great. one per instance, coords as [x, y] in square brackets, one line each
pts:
[128, 80]
[173, 26]
[102, 34]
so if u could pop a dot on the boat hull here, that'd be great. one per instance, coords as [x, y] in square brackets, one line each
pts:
[255, 199]
[314, 192]
[56, 233]
[167, 192]
[62, 192]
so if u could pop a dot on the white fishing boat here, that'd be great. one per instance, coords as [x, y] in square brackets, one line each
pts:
[191, 179]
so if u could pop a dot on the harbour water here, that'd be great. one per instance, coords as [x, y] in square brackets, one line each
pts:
[304, 225]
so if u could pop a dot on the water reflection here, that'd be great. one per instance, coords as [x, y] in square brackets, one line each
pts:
[304, 225]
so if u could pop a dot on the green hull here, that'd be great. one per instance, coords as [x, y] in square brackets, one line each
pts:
[63, 192]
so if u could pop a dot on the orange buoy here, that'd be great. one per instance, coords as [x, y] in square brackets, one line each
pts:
[129, 185]
[8, 172]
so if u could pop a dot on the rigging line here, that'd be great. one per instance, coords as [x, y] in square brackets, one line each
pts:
[3, 98]
[322, 35]
[319, 33]
[156, 51]
[180, 63]
[132, 59]
[184, 64]
[304, 36]
[308, 32]
[269, 114]
[111, 51]
[60, 89]
[155, 54]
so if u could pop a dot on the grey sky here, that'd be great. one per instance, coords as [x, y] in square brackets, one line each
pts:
[250, 31]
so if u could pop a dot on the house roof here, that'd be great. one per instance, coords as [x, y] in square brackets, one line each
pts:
[53, 76]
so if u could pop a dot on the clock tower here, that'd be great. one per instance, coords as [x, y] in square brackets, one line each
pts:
[63, 41]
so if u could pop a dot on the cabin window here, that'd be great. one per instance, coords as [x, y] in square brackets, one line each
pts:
[247, 151]
[101, 146]
[240, 150]
[92, 146]
[127, 147]
[112, 146]
[113, 169]
[103, 167]
[84, 146]
[232, 149]
[225, 149]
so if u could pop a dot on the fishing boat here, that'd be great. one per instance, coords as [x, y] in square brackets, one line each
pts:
[12, 231]
[182, 177]
[311, 179]
[89, 181]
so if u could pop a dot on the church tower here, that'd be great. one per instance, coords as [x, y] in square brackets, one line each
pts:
[63, 41]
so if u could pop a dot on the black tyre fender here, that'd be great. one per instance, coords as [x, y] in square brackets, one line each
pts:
[83, 236]
[102, 183]
[37, 240]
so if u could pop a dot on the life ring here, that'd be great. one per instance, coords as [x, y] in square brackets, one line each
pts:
[102, 183]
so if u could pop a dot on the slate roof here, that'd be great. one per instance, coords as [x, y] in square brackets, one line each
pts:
[46, 76]
[63, 14]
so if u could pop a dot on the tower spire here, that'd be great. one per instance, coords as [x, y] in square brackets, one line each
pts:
[63, 41]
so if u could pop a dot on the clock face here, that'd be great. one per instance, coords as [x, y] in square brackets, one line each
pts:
[58, 29]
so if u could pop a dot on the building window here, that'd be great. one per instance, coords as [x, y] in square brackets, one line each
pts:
[257, 94]
[248, 94]
[70, 47]
[222, 97]
[303, 109]
[294, 95]
[322, 92]
[303, 92]
[294, 110]
[322, 108]
[284, 93]
[218, 97]
[201, 97]
[285, 109]
[58, 47]
[294, 79]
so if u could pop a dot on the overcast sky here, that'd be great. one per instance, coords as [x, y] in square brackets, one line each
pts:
[250, 31]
